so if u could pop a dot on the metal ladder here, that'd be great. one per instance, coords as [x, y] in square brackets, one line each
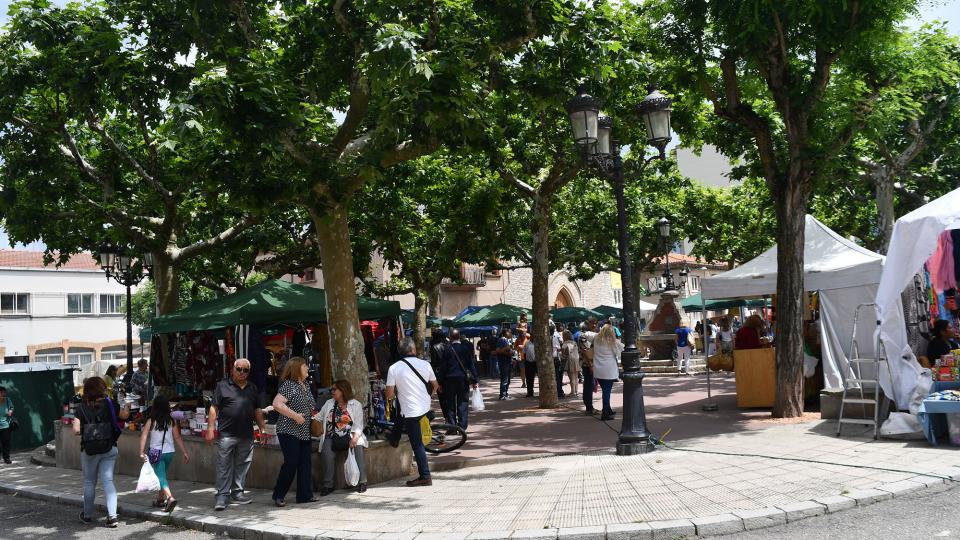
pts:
[858, 384]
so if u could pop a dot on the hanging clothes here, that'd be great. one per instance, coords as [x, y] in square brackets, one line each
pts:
[259, 358]
[160, 360]
[940, 264]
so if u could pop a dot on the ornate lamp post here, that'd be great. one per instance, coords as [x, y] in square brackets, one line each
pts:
[594, 137]
[122, 268]
[664, 226]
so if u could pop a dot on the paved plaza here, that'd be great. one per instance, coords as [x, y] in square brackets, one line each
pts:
[751, 476]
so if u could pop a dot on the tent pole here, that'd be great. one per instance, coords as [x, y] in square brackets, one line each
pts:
[710, 405]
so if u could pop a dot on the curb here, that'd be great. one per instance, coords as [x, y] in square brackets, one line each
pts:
[721, 524]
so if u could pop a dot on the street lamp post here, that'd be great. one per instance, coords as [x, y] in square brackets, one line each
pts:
[119, 264]
[594, 137]
[664, 226]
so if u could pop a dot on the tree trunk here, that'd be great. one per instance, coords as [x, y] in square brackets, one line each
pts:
[343, 319]
[420, 318]
[791, 208]
[883, 181]
[542, 334]
[435, 301]
[167, 283]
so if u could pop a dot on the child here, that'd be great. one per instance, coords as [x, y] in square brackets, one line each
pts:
[162, 433]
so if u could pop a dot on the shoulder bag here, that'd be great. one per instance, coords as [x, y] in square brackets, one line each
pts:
[154, 454]
[471, 380]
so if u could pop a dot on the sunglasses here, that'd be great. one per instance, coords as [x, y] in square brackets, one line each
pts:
[242, 369]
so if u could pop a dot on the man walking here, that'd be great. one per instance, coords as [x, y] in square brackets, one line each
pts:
[682, 340]
[459, 376]
[235, 407]
[558, 366]
[504, 353]
[439, 353]
[138, 381]
[529, 365]
[412, 381]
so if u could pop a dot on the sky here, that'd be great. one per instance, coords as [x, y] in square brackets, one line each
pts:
[930, 10]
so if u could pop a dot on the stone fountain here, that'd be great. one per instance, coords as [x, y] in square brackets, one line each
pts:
[659, 335]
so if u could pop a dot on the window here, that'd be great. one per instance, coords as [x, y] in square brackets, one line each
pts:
[48, 358]
[111, 303]
[694, 284]
[113, 355]
[82, 358]
[14, 304]
[79, 303]
[617, 296]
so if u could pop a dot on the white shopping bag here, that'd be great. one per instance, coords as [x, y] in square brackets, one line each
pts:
[148, 480]
[476, 400]
[351, 472]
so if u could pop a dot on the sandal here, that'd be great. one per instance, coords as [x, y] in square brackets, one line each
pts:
[159, 503]
[171, 504]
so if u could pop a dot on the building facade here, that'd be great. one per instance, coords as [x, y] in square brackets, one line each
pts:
[71, 314]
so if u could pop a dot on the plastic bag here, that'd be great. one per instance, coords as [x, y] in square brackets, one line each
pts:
[809, 365]
[351, 472]
[426, 432]
[901, 426]
[476, 400]
[148, 480]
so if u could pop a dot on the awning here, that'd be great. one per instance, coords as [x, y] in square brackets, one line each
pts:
[491, 315]
[573, 314]
[271, 302]
[693, 304]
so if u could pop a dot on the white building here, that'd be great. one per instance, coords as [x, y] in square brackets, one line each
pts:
[70, 314]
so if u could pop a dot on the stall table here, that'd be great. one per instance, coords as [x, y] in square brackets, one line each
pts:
[756, 375]
[933, 413]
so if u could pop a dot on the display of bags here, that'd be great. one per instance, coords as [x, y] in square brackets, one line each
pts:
[351, 472]
[148, 480]
[476, 400]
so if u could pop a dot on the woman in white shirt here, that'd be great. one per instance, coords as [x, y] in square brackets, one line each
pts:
[726, 336]
[606, 357]
[342, 420]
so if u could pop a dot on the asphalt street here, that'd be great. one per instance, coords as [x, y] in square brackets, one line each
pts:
[930, 514]
[28, 519]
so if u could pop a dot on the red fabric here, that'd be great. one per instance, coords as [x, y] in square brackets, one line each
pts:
[748, 338]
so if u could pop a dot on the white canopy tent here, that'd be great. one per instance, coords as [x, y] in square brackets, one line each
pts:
[845, 274]
[914, 240]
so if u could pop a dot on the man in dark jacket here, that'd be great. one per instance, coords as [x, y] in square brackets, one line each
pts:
[460, 374]
[439, 351]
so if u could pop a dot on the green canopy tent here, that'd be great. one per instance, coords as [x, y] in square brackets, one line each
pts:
[491, 316]
[272, 302]
[694, 304]
[609, 311]
[574, 314]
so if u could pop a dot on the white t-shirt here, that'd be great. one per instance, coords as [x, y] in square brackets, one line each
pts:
[156, 438]
[529, 355]
[413, 396]
[557, 343]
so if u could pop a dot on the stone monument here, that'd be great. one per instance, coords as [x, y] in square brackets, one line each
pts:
[659, 335]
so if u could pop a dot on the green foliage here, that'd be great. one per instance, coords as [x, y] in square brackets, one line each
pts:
[730, 225]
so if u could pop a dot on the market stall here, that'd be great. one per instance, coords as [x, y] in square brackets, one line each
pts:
[843, 274]
[488, 316]
[194, 348]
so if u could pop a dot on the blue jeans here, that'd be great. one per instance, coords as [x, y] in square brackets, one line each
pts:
[587, 387]
[606, 386]
[505, 365]
[99, 467]
[456, 394]
[412, 426]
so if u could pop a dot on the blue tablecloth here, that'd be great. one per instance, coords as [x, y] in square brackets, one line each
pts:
[933, 413]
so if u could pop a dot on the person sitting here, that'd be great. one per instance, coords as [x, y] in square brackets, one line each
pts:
[342, 420]
[943, 341]
[748, 337]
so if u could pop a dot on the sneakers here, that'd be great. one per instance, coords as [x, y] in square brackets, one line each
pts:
[241, 499]
[221, 505]
[85, 519]
[420, 482]
[112, 522]
[361, 488]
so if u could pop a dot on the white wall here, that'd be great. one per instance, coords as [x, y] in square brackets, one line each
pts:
[48, 320]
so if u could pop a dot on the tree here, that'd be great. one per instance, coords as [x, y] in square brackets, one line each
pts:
[731, 225]
[790, 84]
[98, 144]
[427, 219]
[400, 76]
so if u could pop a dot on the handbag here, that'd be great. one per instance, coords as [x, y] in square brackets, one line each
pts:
[14, 425]
[339, 442]
[154, 454]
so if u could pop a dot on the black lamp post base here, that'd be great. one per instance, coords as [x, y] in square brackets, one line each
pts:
[634, 448]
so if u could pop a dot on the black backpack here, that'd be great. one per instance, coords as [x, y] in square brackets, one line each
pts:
[98, 434]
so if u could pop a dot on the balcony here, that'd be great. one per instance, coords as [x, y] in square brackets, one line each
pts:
[471, 275]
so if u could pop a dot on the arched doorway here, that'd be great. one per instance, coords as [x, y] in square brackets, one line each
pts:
[563, 299]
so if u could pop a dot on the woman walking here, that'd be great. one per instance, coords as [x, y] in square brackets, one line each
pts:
[342, 419]
[295, 405]
[6, 419]
[570, 358]
[161, 432]
[726, 336]
[98, 427]
[606, 356]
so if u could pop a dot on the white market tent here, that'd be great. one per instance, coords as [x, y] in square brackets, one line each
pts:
[914, 240]
[845, 274]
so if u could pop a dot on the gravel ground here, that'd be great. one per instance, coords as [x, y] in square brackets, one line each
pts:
[28, 519]
[929, 514]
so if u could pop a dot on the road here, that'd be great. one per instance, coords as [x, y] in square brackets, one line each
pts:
[929, 514]
[28, 519]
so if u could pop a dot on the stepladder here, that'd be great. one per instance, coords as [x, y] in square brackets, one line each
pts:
[861, 380]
